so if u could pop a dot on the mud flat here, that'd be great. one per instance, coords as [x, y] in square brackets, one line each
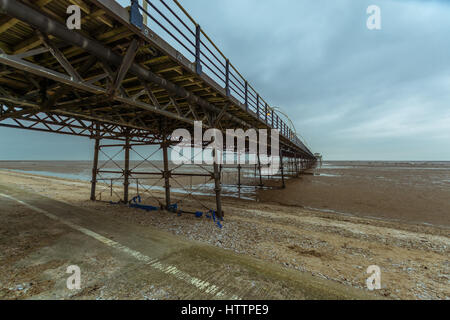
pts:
[410, 192]
[336, 248]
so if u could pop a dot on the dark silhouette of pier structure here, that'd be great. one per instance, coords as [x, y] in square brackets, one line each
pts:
[132, 75]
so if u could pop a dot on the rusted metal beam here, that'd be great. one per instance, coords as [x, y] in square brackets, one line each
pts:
[166, 172]
[218, 190]
[59, 56]
[56, 76]
[108, 131]
[49, 26]
[125, 66]
[259, 170]
[126, 172]
[95, 164]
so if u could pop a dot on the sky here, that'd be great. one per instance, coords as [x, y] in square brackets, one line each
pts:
[352, 93]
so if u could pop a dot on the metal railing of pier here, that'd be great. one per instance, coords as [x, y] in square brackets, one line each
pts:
[168, 17]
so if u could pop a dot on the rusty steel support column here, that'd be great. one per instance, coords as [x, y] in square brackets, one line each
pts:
[282, 170]
[259, 169]
[239, 170]
[95, 164]
[126, 182]
[218, 190]
[166, 173]
[239, 176]
[288, 166]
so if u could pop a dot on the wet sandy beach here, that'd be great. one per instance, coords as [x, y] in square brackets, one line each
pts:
[410, 192]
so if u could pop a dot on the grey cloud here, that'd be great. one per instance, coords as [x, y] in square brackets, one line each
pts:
[343, 85]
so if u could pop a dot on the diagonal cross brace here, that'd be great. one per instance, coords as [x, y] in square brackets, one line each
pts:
[221, 114]
[151, 95]
[124, 67]
[59, 56]
[65, 89]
